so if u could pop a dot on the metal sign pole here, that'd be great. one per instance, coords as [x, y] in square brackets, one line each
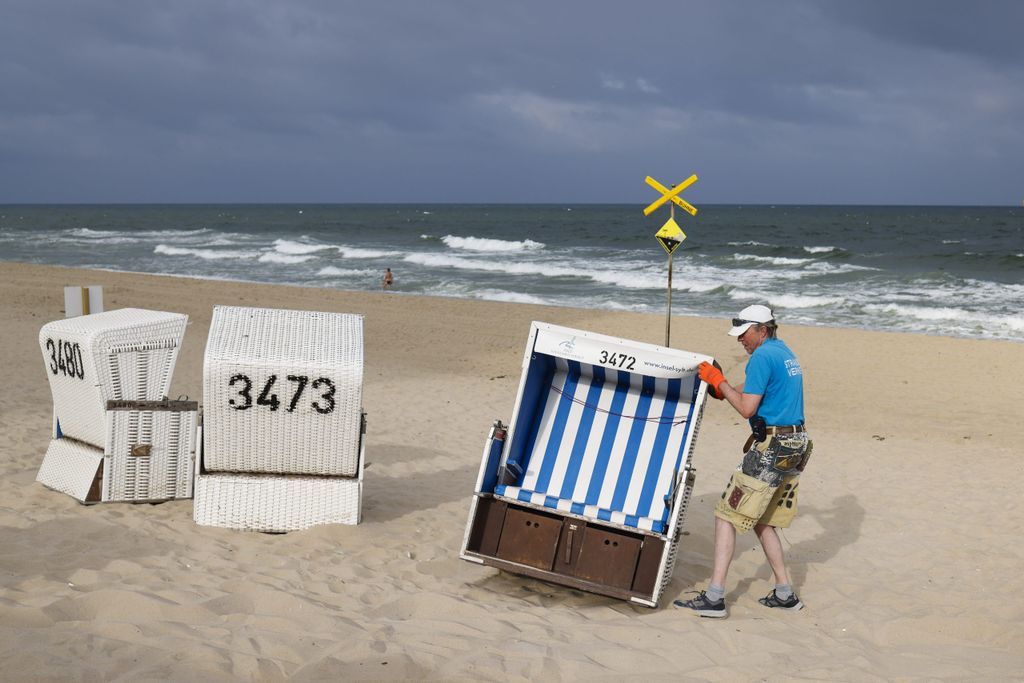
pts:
[668, 309]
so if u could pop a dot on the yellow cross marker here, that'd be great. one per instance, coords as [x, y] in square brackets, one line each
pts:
[670, 236]
[671, 195]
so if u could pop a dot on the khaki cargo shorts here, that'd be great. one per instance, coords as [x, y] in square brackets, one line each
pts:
[748, 500]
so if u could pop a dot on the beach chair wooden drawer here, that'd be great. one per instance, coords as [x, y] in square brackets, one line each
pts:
[608, 557]
[529, 537]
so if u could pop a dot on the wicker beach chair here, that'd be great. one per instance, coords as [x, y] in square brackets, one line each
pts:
[588, 486]
[114, 437]
[122, 355]
[282, 445]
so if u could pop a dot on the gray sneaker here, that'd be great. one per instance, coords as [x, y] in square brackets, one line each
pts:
[703, 607]
[772, 600]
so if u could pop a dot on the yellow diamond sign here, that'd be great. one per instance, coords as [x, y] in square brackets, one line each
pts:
[670, 236]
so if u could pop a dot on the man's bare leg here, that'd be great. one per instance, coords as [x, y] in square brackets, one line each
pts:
[725, 544]
[773, 551]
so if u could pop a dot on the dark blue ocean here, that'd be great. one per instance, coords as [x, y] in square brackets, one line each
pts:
[955, 271]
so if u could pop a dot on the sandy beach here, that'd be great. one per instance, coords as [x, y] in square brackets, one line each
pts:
[905, 551]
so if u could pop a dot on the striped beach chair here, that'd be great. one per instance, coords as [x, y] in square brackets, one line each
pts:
[589, 484]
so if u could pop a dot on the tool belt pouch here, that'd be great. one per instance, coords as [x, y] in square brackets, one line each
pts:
[807, 456]
[777, 457]
[789, 453]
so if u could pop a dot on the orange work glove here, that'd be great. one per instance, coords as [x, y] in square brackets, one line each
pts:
[712, 374]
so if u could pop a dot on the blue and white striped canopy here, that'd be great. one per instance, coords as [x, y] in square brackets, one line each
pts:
[605, 444]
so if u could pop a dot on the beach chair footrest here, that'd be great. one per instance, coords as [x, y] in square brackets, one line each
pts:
[275, 503]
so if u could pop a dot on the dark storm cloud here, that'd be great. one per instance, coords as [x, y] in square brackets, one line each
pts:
[530, 101]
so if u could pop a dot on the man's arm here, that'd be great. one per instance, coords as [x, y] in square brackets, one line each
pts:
[745, 404]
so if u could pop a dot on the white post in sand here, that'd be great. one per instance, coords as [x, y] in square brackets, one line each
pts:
[82, 300]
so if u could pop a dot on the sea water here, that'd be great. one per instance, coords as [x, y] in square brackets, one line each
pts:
[940, 270]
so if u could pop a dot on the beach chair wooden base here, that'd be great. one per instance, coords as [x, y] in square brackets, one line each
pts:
[589, 485]
[572, 551]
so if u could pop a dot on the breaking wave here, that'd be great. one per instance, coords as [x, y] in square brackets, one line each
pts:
[206, 254]
[489, 244]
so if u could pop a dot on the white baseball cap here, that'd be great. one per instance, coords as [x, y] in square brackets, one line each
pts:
[751, 315]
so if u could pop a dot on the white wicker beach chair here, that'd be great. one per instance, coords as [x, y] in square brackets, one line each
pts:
[589, 485]
[122, 355]
[283, 428]
[144, 449]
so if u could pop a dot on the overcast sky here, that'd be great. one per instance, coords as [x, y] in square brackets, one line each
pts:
[785, 101]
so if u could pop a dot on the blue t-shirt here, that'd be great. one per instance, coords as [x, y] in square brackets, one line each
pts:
[774, 372]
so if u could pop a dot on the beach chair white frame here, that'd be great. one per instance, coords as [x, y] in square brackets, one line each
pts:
[283, 433]
[626, 550]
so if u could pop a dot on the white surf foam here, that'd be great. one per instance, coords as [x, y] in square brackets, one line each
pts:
[801, 301]
[298, 248]
[773, 260]
[356, 252]
[207, 254]
[835, 268]
[90, 233]
[631, 279]
[287, 259]
[512, 297]
[820, 250]
[489, 244]
[957, 318]
[333, 271]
